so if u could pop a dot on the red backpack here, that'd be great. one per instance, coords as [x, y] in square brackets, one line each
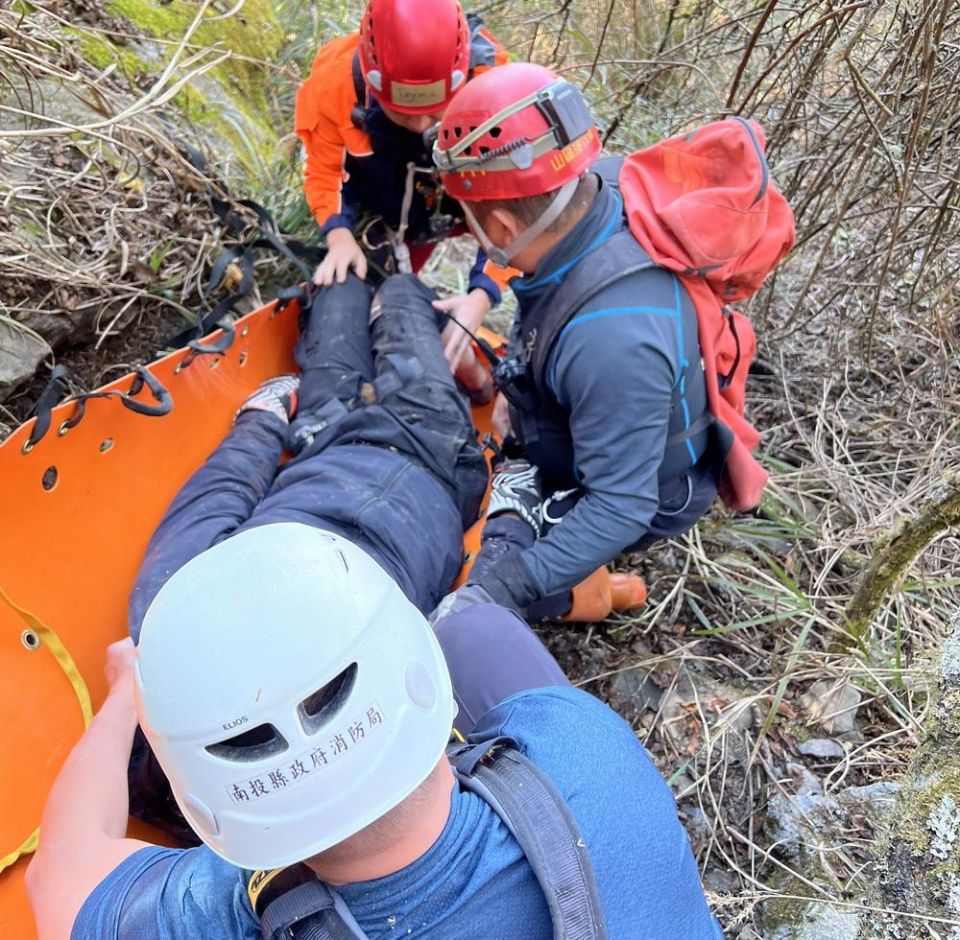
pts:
[703, 206]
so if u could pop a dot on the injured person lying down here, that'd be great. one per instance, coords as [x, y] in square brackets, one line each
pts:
[304, 720]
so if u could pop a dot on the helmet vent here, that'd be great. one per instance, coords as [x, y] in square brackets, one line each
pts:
[320, 707]
[251, 745]
[495, 132]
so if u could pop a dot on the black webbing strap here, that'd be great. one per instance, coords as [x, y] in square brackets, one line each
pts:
[267, 237]
[358, 113]
[310, 911]
[62, 381]
[541, 821]
[57, 386]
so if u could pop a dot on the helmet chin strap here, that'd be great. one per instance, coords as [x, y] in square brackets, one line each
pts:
[501, 257]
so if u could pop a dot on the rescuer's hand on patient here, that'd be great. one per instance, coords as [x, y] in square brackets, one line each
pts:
[343, 253]
[468, 310]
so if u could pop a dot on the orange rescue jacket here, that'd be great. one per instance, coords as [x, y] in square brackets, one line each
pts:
[323, 121]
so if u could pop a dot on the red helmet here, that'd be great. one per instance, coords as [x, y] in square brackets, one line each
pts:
[517, 130]
[414, 54]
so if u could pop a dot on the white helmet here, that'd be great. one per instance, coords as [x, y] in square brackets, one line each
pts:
[291, 693]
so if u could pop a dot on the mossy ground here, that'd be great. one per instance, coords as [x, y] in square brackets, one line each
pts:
[233, 100]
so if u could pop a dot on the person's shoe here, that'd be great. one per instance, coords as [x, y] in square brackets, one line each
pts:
[516, 488]
[277, 396]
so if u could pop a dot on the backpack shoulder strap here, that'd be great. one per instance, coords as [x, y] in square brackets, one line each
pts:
[541, 821]
[293, 902]
[618, 257]
[359, 111]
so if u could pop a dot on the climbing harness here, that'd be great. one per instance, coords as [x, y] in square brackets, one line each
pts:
[267, 236]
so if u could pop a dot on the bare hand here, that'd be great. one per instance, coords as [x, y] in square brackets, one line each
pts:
[119, 666]
[343, 253]
[468, 310]
[500, 419]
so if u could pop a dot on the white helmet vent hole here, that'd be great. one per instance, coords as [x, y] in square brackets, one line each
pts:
[319, 708]
[255, 744]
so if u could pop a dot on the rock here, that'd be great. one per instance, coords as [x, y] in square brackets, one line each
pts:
[643, 693]
[805, 783]
[824, 748]
[722, 881]
[797, 824]
[875, 801]
[725, 708]
[20, 355]
[944, 825]
[818, 921]
[833, 705]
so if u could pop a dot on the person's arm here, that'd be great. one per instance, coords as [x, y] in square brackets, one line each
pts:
[325, 153]
[328, 196]
[82, 831]
[468, 310]
[326, 184]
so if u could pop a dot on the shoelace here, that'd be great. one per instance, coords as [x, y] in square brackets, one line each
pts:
[512, 482]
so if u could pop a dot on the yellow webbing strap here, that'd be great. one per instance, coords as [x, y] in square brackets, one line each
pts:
[69, 667]
[258, 881]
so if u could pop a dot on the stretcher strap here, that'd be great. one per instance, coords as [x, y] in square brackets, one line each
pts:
[59, 652]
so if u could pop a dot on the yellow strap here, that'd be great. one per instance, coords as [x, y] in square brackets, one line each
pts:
[69, 667]
[258, 881]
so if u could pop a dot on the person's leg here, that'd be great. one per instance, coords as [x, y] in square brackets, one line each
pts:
[404, 333]
[416, 386]
[218, 498]
[334, 347]
[210, 506]
[492, 654]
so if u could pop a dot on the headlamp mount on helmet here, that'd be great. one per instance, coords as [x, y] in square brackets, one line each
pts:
[565, 112]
